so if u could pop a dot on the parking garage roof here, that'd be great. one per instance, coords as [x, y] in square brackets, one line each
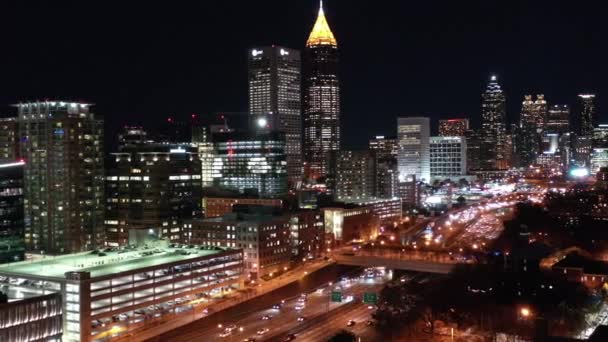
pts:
[107, 261]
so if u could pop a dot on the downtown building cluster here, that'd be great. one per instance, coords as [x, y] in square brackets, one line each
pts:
[118, 240]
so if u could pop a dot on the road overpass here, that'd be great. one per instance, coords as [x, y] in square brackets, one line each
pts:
[395, 263]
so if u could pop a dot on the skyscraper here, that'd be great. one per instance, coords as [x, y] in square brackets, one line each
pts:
[558, 119]
[62, 143]
[587, 114]
[321, 98]
[355, 175]
[384, 147]
[274, 88]
[493, 127]
[453, 127]
[414, 148]
[448, 157]
[9, 140]
[532, 123]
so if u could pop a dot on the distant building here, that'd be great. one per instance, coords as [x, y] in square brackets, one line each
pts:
[216, 207]
[600, 136]
[453, 127]
[152, 187]
[448, 157]
[12, 243]
[493, 127]
[577, 268]
[384, 147]
[410, 192]
[350, 222]
[532, 124]
[385, 209]
[386, 178]
[321, 96]
[582, 148]
[105, 292]
[587, 114]
[414, 148]
[253, 161]
[558, 119]
[599, 159]
[62, 143]
[474, 141]
[9, 140]
[355, 175]
[274, 88]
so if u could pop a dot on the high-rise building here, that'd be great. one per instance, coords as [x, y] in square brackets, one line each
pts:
[12, 244]
[558, 119]
[474, 140]
[321, 98]
[414, 151]
[9, 140]
[152, 188]
[132, 136]
[387, 178]
[453, 127]
[448, 157]
[355, 175]
[384, 147]
[600, 136]
[62, 143]
[531, 126]
[274, 88]
[493, 127]
[587, 114]
[251, 161]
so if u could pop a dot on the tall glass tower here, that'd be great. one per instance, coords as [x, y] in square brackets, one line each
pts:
[274, 89]
[494, 127]
[587, 114]
[321, 98]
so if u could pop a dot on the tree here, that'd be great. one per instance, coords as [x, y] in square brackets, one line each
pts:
[343, 336]
[461, 201]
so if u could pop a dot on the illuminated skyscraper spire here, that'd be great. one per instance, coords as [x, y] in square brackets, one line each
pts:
[321, 33]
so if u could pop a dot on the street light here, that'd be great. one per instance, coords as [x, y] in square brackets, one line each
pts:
[525, 312]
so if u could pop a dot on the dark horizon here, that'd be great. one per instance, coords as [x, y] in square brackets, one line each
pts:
[141, 64]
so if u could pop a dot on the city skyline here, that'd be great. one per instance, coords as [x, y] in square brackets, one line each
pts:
[132, 89]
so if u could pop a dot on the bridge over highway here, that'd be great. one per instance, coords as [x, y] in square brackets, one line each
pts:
[395, 262]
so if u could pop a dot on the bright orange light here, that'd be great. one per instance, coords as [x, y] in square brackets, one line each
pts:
[321, 33]
[525, 312]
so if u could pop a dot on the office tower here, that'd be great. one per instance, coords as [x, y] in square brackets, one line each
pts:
[448, 157]
[251, 161]
[62, 143]
[558, 119]
[453, 127]
[355, 175]
[493, 127]
[600, 136]
[274, 88]
[532, 124]
[582, 148]
[586, 114]
[12, 243]
[9, 140]
[384, 147]
[201, 138]
[414, 151]
[474, 140]
[599, 159]
[152, 189]
[321, 98]
[387, 178]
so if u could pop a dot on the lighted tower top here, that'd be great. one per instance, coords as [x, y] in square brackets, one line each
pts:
[321, 33]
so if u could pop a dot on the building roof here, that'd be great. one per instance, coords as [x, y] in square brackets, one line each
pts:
[589, 266]
[110, 261]
[321, 33]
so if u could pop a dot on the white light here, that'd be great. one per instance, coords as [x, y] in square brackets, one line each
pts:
[262, 122]
[579, 172]
[284, 52]
[177, 150]
[12, 164]
[255, 52]
[493, 78]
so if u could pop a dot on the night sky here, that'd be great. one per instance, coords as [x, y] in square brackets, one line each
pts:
[140, 61]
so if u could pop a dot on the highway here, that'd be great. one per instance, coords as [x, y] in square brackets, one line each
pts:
[285, 319]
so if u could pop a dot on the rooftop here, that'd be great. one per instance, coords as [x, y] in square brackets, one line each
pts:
[107, 261]
[589, 266]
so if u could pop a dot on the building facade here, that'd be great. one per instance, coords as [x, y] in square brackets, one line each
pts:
[493, 153]
[532, 123]
[62, 143]
[152, 187]
[587, 115]
[251, 162]
[12, 242]
[414, 134]
[32, 319]
[321, 96]
[355, 175]
[274, 88]
[558, 119]
[216, 207]
[448, 157]
[453, 127]
[9, 140]
[384, 147]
